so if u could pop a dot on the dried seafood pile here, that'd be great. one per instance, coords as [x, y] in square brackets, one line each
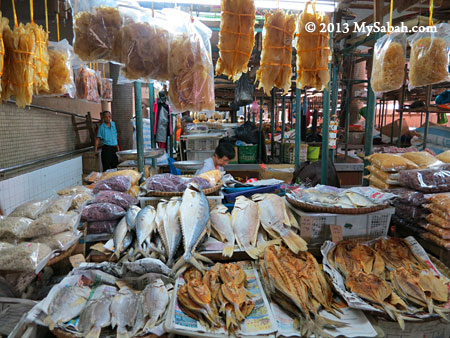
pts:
[217, 297]
[390, 277]
[297, 283]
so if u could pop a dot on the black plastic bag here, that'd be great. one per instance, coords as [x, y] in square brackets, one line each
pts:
[243, 94]
[309, 173]
[248, 133]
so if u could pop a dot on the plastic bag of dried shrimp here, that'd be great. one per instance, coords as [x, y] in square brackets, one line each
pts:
[429, 61]
[389, 59]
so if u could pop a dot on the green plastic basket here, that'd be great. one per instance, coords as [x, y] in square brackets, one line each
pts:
[247, 154]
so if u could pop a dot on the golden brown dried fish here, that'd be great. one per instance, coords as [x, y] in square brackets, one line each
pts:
[232, 273]
[397, 253]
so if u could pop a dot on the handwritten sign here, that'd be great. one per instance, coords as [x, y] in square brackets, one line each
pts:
[306, 226]
[336, 233]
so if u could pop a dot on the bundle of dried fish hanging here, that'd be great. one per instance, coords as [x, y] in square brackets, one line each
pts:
[41, 60]
[313, 50]
[276, 68]
[97, 34]
[236, 37]
[18, 79]
[217, 297]
[298, 285]
[4, 25]
[390, 277]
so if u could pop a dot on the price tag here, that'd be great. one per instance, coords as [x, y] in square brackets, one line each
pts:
[306, 226]
[336, 233]
[76, 260]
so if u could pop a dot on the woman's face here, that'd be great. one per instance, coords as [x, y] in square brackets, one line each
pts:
[221, 162]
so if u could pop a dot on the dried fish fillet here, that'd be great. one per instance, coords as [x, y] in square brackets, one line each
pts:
[236, 37]
[276, 69]
[19, 75]
[41, 60]
[397, 253]
[313, 50]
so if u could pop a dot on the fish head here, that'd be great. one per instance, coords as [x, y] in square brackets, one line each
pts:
[220, 209]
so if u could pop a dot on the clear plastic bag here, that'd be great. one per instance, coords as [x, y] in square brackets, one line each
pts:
[86, 84]
[191, 84]
[78, 189]
[382, 175]
[410, 211]
[51, 224]
[438, 221]
[59, 205]
[378, 183]
[80, 199]
[96, 26]
[389, 59]
[31, 209]
[60, 74]
[440, 232]
[444, 157]
[391, 162]
[427, 180]
[102, 212]
[134, 175]
[116, 183]
[165, 182]
[423, 159]
[119, 198]
[410, 197]
[106, 90]
[13, 227]
[134, 191]
[102, 227]
[428, 63]
[24, 257]
[438, 212]
[93, 177]
[61, 241]
[145, 47]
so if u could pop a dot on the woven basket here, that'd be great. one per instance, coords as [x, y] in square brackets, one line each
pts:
[62, 255]
[330, 210]
[172, 194]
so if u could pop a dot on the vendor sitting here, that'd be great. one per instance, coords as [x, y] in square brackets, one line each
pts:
[223, 154]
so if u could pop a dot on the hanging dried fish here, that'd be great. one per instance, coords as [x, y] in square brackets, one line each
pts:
[236, 37]
[276, 69]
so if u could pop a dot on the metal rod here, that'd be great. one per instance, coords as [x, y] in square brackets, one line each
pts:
[325, 136]
[139, 127]
[393, 120]
[272, 124]
[347, 117]
[427, 116]
[298, 100]
[283, 117]
[401, 103]
[334, 98]
[151, 102]
[383, 107]
[261, 138]
[42, 160]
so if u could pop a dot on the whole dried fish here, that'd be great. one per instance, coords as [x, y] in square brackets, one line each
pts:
[221, 222]
[146, 265]
[96, 316]
[67, 304]
[123, 311]
[119, 236]
[155, 301]
[397, 253]
[170, 229]
[131, 216]
[145, 224]
[245, 221]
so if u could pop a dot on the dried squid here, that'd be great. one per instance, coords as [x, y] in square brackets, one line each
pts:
[236, 37]
[313, 50]
[276, 69]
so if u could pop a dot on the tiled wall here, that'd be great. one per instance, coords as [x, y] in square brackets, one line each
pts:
[30, 134]
[39, 184]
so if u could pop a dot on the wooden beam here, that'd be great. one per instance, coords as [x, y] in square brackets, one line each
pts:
[378, 12]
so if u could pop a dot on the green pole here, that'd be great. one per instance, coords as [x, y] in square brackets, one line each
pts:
[283, 116]
[298, 102]
[272, 124]
[139, 126]
[261, 138]
[151, 102]
[334, 98]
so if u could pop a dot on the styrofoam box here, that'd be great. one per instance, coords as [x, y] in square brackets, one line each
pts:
[374, 224]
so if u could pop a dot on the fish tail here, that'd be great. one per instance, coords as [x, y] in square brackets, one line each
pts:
[94, 333]
[49, 322]
[179, 264]
[441, 313]
[254, 252]
[295, 242]
[430, 305]
[122, 333]
[203, 258]
[195, 263]
[228, 251]
[150, 324]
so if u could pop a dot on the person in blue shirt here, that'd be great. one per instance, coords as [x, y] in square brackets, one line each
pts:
[107, 132]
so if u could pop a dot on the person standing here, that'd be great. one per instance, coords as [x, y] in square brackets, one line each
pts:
[107, 132]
